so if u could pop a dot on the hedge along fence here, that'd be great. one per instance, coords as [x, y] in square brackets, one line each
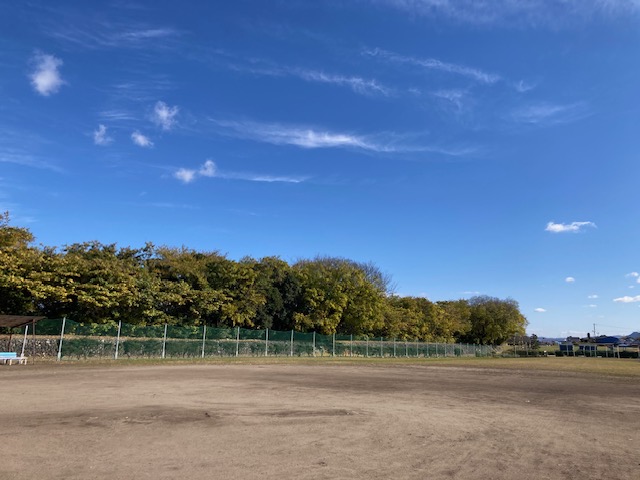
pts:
[68, 339]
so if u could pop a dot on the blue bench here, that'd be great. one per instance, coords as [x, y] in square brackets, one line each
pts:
[10, 357]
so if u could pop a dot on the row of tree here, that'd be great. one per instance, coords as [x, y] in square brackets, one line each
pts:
[94, 282]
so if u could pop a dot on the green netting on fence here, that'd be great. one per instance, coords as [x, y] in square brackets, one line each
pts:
[120, 340]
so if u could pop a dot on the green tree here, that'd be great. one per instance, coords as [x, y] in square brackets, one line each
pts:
[493, 321]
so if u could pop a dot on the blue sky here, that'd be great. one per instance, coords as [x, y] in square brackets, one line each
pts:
[464, 147]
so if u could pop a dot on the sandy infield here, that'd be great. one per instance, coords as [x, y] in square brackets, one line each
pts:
[320, 421]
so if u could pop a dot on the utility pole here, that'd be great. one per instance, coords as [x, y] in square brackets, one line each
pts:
[594, 329]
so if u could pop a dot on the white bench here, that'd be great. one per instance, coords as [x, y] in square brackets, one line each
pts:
[10, 357]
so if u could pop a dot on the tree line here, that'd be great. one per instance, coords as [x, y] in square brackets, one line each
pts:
[95, 282]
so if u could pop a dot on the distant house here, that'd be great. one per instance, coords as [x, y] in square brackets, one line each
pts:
[604, 340]
[573, 339]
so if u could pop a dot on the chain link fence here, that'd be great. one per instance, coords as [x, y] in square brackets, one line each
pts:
[67, 339]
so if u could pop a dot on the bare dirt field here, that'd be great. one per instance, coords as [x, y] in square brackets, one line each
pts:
[320, 421]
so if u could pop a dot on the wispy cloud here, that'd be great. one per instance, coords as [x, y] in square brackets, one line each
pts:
[454, 98]
[592, 296]
[312, 138]
[359, 85]
[548, 114]
[45, 77]
[100, 136]
[570, 280]
[88, 33]
[115, 115]
[512, 13]
[635, 275]
[209, 169]
[523, 86]
[434, 64]
[573, 227]
[539, 310]
[627, 299]
[141, 140]
[264, 67]
[164, 116]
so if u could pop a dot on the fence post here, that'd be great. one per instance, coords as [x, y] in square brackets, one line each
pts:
[314, 344]
[164, 341]
[291, 344]
[381, 346]
[64, 321]
[237, 341]
[266, 342]
[24, 340]
[368, 348]
[406, 349]
[394, 348]
[351, 346]
[334, 345]
[115, 357]
[204, 336]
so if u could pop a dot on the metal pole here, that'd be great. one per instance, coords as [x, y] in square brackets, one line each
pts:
[351, 346]
[368, 348]
[381, 352]
[394, 348]
[406, 349]
[204, 336]
[266, 342]
[24, 340]
[64, 321]
[164, 341]
[334, 345]
[115, 356]
[314, 344]
[291, 344]
[417, 351]
[237, 341]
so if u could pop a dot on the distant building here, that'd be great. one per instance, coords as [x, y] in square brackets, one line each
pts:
[604, 340]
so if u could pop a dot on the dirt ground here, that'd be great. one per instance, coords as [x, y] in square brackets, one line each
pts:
[288, 421]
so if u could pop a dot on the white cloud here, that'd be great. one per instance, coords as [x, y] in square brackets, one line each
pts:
[523, 86]
[100, 136]
[570, 280]
[185, 175]
[633, 275]
[539, 310]
[570, 227]
[548, 114]
[208, 169]
[141, 140]
[592, 296]
[45, 78]
[627, 299]
[435, 64]
[454, 97]
[357, 84]
[91, 32]
[592, 306]
[516, 13]
[164, 116]
[262, 178]
[308, 137]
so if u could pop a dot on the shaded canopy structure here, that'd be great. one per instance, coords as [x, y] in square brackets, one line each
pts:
[13, 321]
